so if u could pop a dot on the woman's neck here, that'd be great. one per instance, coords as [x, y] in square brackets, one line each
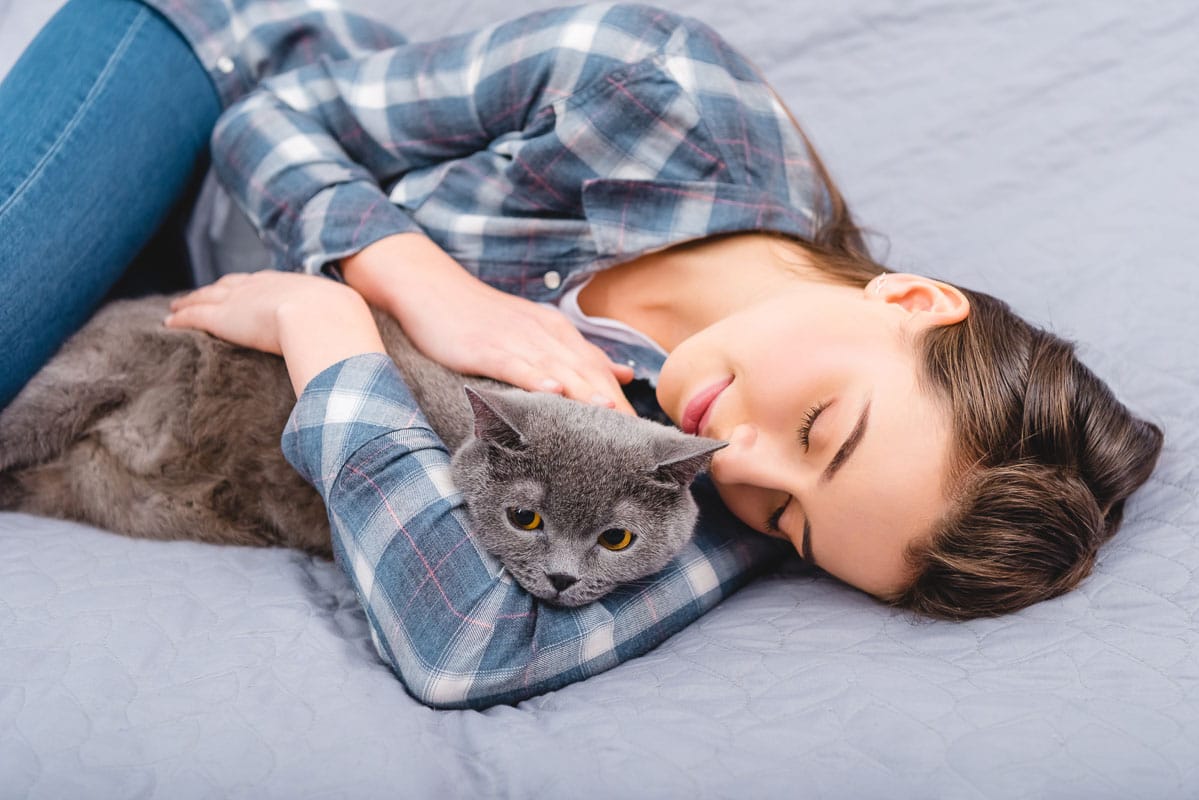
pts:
[671, 294]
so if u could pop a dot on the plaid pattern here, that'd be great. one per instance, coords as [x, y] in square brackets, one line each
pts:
[240, 42]
[535, 152]
[443, 613]
[566, 140]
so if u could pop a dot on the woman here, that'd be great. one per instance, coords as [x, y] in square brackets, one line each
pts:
[626, 166]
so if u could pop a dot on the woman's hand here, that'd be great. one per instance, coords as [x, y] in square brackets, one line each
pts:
[312, 322]
[478, 330]
[465, 324]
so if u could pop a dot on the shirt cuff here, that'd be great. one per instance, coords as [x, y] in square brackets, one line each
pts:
[340, 221]
[343, 408]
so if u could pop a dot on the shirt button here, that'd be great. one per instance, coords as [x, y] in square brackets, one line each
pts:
[552, 280]
[631, 363]
[225, 64]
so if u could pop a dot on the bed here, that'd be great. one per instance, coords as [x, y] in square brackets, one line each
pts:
[1036, 151]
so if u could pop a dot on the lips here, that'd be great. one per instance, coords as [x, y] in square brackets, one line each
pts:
[696, 412]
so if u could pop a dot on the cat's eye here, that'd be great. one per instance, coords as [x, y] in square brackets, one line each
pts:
[616, 538]
[524, 518]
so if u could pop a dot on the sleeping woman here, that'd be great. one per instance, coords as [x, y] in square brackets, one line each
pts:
[606, 201]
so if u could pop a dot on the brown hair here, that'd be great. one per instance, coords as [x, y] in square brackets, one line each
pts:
[1045, 455]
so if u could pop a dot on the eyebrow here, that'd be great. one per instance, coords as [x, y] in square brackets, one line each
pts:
[848, 446]
[843, 453]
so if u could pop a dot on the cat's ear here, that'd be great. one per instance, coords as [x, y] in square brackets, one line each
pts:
[490, 423]
[681, 458]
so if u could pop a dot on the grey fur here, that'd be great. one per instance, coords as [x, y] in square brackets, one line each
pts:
[171, 434]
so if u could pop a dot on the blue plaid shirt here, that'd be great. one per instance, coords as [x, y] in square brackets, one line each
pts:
[536, 152]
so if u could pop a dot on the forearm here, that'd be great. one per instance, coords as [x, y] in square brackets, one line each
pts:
[402, 265]
[444, 614]
[307, 197]
[316, 335]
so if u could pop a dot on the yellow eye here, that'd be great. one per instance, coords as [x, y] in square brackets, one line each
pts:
[524, 519]
[616, 538]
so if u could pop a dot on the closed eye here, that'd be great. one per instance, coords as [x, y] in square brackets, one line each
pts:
[805, 429]
[805, 547]
[772, 522]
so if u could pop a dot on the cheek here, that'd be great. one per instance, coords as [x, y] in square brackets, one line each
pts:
[692, 360]
[746, 503]
[789, 378]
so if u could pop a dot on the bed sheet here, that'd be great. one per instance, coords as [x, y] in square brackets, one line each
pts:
[1041, 151]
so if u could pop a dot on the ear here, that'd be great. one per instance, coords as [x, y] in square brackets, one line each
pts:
[490, 423]
[683, 457]
[930, 301]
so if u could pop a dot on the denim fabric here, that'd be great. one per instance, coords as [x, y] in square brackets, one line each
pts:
[97, 152]
[536, 152]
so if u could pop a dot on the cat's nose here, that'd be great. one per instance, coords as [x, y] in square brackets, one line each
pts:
[561, 580]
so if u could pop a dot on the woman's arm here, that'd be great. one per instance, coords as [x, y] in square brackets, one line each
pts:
[443, 613]
[313, 323]
[307, 155]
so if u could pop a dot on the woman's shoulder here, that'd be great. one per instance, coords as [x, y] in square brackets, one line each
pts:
[629, 32]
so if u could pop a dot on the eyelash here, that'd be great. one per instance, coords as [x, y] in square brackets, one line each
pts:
[805, 430]
[809, 419]
[772, 522]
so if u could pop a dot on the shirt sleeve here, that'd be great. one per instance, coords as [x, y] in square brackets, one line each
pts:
[456, 629]
[307, 153]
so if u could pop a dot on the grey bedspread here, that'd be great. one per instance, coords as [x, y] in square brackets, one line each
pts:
[1042, 151]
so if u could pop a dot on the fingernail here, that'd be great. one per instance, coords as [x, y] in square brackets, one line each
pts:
[602, 400]
[167, 319]
[550, 385]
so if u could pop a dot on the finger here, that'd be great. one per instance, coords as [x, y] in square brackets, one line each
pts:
[585, 371]
[606, 385]
[597, 374]
[234, 278]
[198, 317]
[622, 372]
[212, 293]
[525, 375]
[586, 352]
[559, 375]
[594, 386]
[607, 376]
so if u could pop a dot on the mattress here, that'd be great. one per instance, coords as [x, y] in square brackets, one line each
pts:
[1030, 150]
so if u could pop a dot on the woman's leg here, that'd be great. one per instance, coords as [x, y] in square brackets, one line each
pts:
[106, 119]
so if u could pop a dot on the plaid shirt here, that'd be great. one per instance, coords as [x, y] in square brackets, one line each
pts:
[535, 152]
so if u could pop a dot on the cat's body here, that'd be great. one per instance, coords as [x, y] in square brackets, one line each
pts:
[172, 434]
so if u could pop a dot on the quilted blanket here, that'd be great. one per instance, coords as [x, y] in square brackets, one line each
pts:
[1044, 152]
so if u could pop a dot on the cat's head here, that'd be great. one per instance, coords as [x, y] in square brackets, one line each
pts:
[575, 499]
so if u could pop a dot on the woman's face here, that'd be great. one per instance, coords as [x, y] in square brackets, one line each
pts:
[832, 443]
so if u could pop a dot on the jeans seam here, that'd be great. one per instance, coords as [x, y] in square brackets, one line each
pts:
[97, 87]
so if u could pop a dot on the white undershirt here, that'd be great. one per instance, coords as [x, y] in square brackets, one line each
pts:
[608, 328]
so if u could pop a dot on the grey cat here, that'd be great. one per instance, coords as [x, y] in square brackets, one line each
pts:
[173, 434]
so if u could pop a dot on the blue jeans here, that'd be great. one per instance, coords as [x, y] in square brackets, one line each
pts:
[106, 119]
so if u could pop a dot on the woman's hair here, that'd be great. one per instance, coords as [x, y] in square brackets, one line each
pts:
[1044, 454]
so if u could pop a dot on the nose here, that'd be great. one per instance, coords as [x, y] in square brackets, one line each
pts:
[745, 460]
[561, 580]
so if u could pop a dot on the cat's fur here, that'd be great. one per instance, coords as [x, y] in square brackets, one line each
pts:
[174, 434]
